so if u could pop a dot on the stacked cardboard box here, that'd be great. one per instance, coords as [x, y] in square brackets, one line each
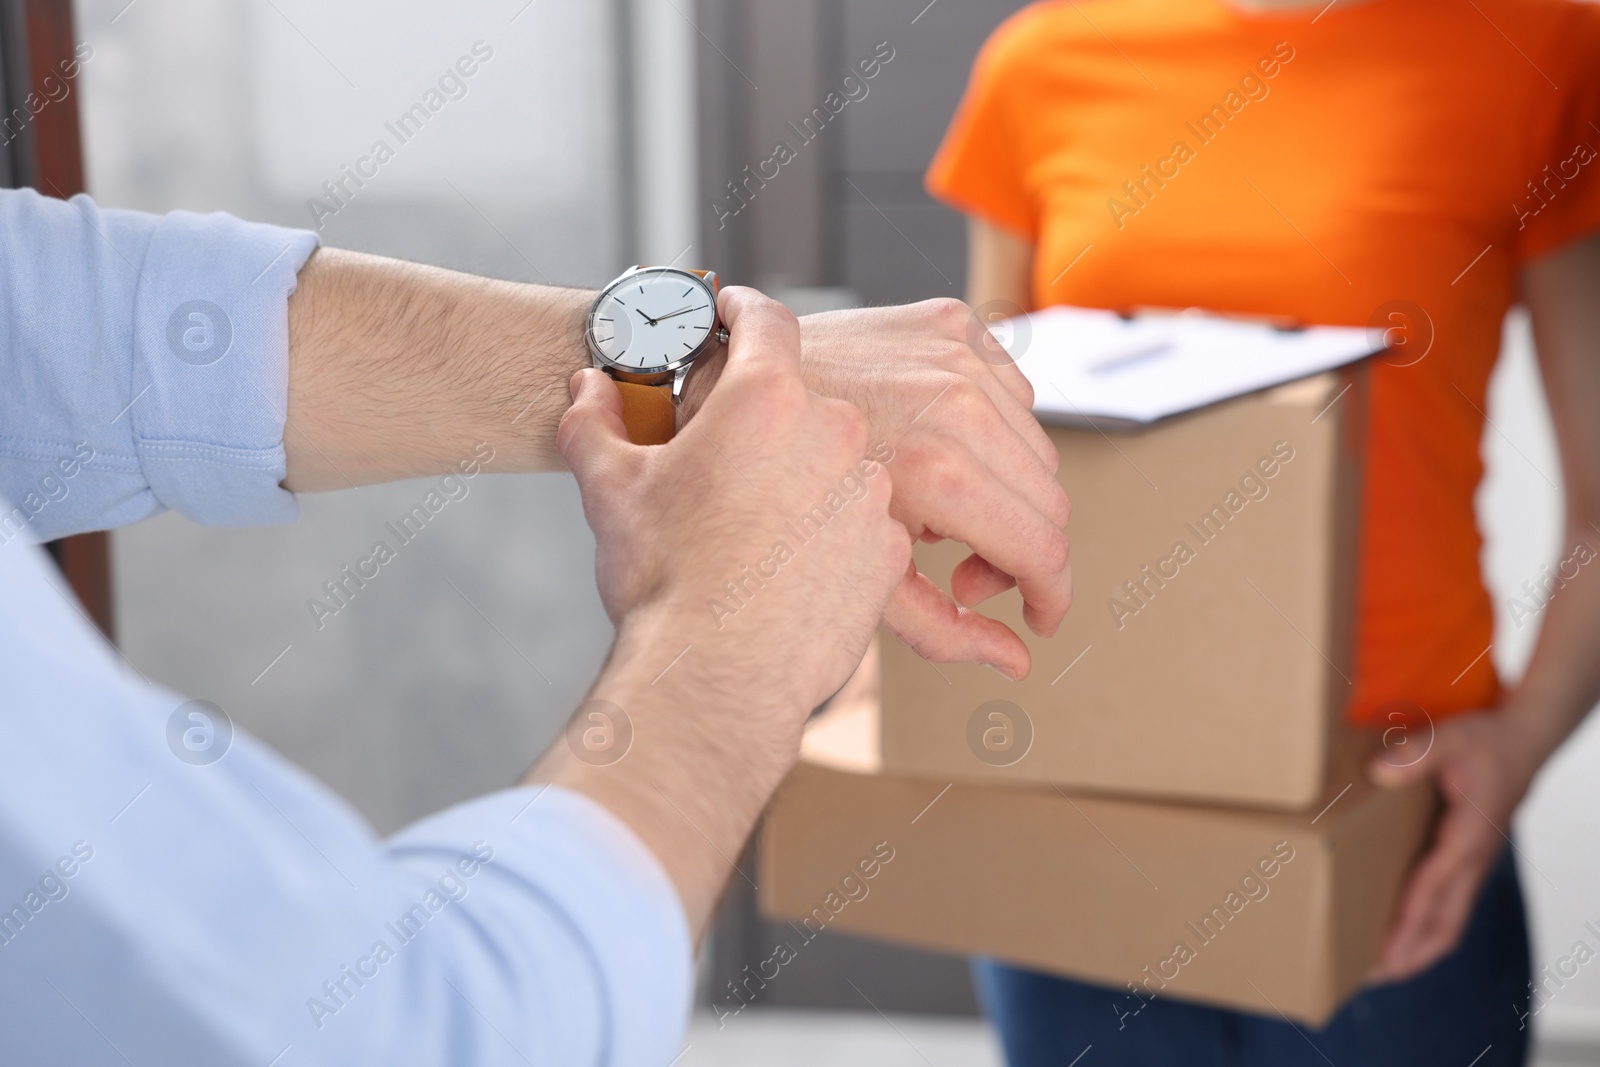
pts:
[1182, 730]
[1208, 649]
[1260, 910]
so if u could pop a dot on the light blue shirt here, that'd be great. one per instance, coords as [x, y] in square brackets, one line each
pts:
[159, 906]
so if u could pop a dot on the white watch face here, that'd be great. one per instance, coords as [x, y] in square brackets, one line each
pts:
[653, 320]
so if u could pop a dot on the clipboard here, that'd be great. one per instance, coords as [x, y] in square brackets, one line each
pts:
[1122, 370]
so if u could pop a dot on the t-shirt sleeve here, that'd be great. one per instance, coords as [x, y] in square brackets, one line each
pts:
[1568, 176]
[979, 168]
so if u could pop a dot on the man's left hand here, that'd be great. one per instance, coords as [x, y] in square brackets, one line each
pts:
[970, 463]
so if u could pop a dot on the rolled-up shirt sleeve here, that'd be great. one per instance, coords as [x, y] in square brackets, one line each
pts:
[144, 361]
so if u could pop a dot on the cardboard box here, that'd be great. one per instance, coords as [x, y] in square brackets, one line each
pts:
[1261, 911]
[1208, 651]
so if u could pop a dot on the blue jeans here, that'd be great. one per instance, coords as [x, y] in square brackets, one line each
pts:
[1471, 1000]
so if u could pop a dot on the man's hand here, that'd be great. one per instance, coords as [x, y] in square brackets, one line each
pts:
[739, 605]
[398, 371]
[712, 523]
[1482, 764]
[972, 464]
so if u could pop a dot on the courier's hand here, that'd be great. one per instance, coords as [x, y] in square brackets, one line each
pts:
[1482, 764]
[970, 462]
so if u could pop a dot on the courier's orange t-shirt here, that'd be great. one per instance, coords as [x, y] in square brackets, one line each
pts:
[1379, 161]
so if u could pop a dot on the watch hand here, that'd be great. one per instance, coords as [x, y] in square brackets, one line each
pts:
[681, 311]
[648, 319]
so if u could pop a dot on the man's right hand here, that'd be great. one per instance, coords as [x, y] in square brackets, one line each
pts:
[746, 565]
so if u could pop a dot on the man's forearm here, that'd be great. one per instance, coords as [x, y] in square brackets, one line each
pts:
[398, 370]
[683, 763]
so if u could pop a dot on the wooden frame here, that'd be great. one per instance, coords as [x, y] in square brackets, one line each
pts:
[46, 154]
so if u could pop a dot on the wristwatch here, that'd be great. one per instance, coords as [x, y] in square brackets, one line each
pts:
[645, 330]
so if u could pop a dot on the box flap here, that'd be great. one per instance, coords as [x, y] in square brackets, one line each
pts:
[845, 737]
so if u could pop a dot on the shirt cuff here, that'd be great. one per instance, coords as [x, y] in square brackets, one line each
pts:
[579, 858]
[211, 366]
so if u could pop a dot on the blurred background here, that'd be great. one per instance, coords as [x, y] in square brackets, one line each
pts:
[594, 135]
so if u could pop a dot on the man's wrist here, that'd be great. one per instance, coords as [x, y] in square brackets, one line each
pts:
[509, 351]
[699, 699]
[398, 370]
[531, 338]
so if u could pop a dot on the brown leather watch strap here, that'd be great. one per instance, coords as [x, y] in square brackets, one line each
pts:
[648, 412]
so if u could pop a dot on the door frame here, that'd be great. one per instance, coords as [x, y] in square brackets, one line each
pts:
[45, 153]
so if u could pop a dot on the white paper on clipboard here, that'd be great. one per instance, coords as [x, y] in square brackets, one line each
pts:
[1089, 366]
